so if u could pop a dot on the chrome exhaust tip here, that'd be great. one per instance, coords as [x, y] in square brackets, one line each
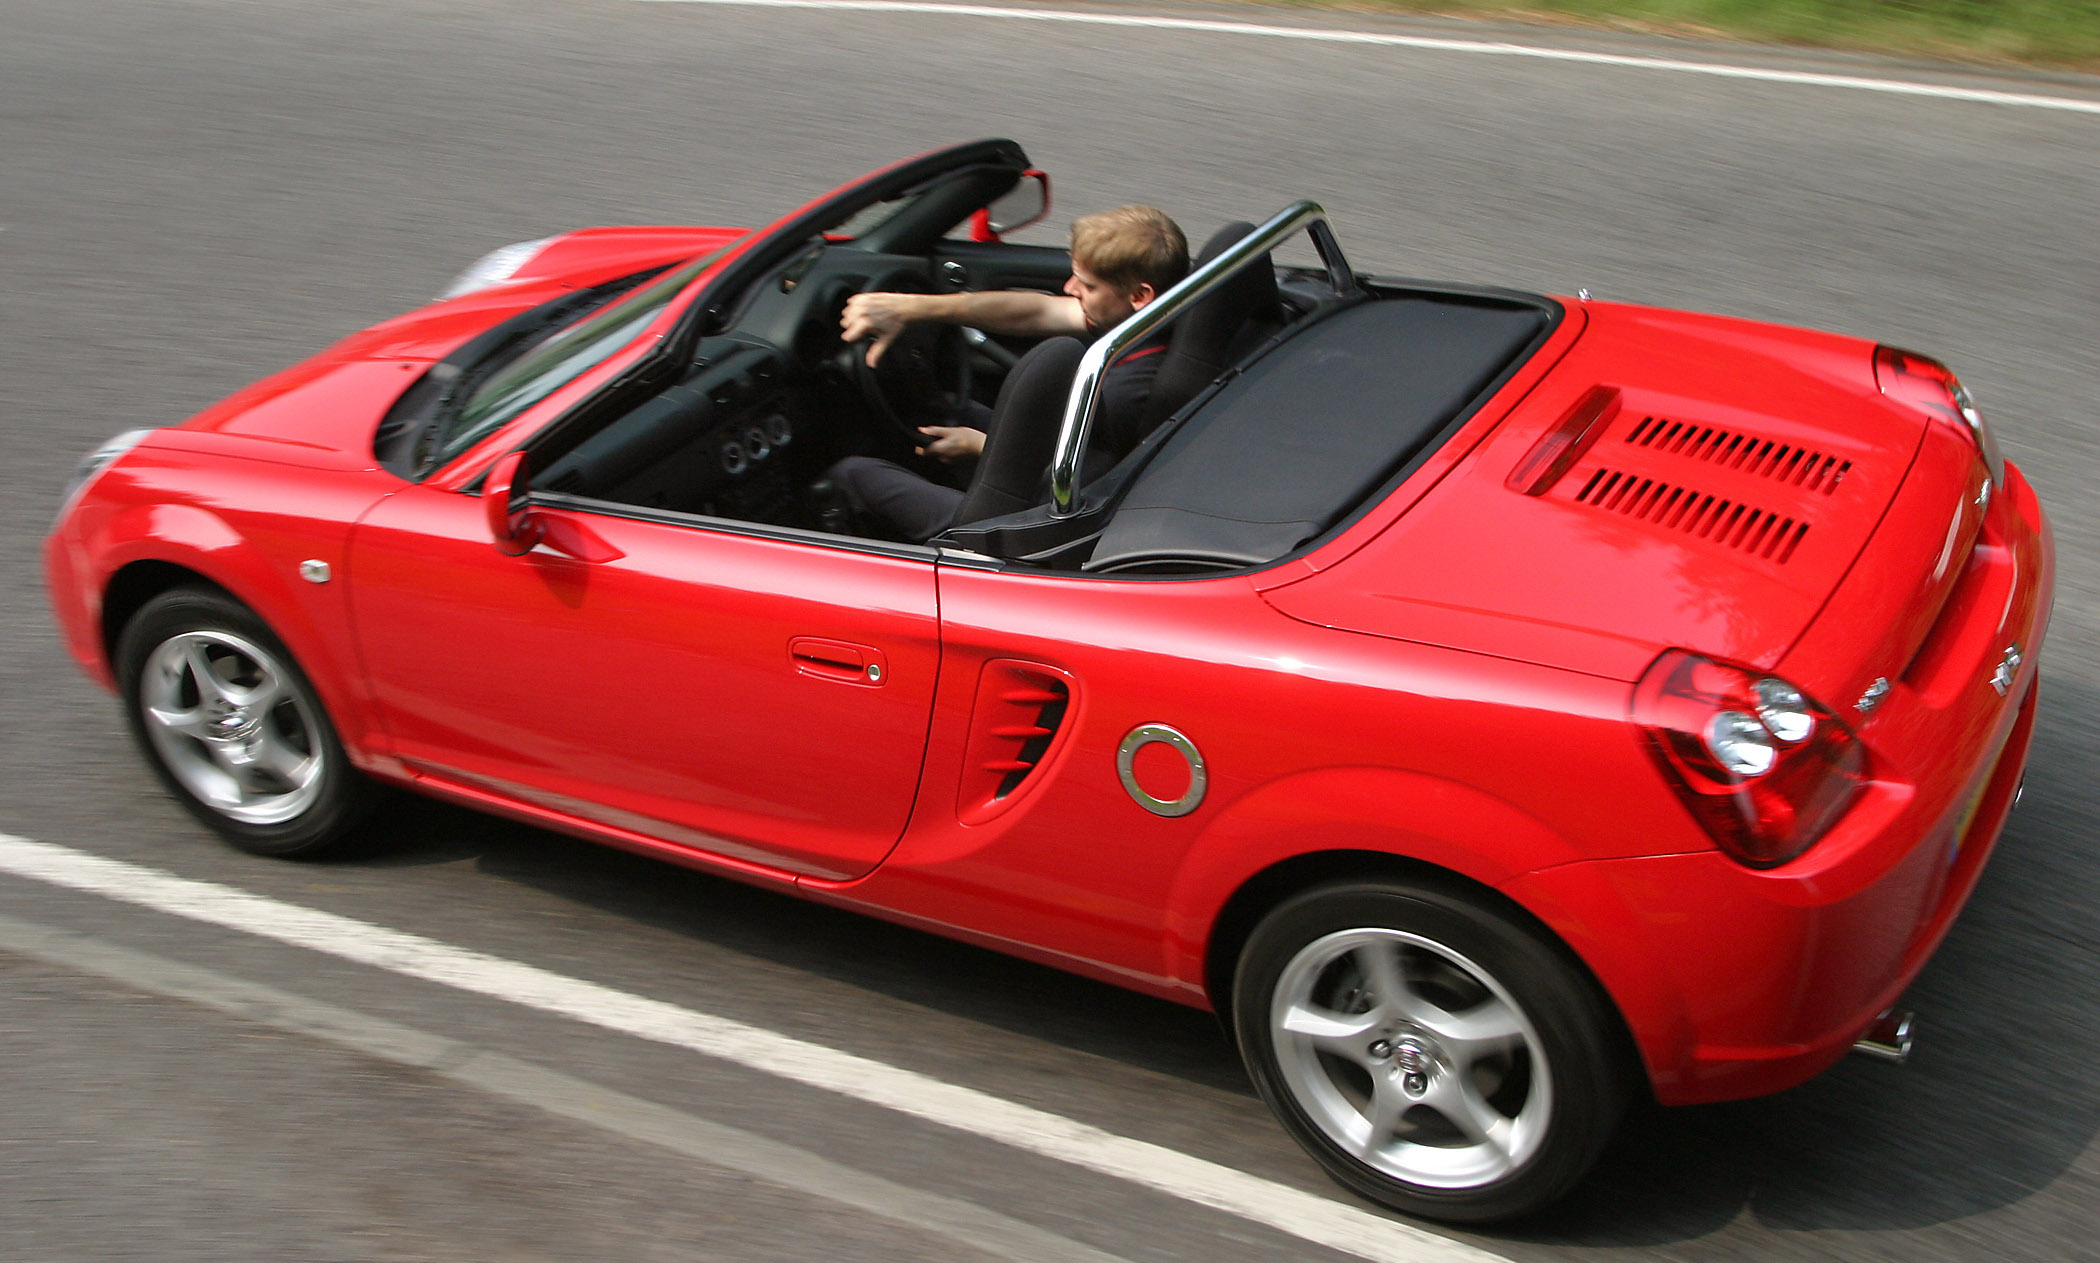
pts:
[1890, 1037]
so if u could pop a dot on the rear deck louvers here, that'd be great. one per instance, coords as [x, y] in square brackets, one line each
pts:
[1730, 523]
[1762, 458]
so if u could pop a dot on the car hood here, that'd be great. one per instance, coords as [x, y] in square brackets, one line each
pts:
[1722, 494]
[332, 402]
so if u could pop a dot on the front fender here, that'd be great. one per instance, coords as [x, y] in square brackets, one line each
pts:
[255, 556]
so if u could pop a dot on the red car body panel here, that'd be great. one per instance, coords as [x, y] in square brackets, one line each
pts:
[1393, 725]
[651, 687]
[1445, 681]
[592, 255]
[243, 523]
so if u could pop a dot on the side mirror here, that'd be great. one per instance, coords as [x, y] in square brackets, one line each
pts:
[510, 516]
[1027, 202]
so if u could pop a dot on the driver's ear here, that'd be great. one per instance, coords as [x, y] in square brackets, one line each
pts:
[1144, 293]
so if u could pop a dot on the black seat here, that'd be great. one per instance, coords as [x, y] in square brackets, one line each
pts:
[1022, 435]
[1216, 330]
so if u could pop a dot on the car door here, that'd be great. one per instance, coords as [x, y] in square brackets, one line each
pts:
[750, 694]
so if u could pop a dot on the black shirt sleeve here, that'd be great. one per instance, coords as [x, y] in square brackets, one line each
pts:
[1125, 386]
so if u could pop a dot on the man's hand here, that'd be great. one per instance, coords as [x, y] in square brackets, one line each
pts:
[878, 316]
[951, 443]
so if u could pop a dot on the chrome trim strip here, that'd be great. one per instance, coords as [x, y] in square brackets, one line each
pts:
[732, 526]
[1086, 386]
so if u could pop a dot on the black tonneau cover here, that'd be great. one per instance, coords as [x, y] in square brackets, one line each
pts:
[1307, 431]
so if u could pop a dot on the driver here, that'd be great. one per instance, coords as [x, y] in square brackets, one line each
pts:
[1122, 259]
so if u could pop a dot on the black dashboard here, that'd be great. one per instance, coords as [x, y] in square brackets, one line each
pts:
[721, 442]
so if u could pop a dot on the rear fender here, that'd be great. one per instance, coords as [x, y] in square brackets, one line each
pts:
[1383, 811]
[1589, 912]
[1327, 824]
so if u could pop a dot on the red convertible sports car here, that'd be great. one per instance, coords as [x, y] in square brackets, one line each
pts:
[1493, 706]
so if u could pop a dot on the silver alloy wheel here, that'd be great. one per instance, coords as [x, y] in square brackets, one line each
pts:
[232, 726]
[1411, 1058]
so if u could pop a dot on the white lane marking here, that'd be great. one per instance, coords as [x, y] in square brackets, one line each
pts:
[1287, 1210]
[1488, 48]
[578, 1100]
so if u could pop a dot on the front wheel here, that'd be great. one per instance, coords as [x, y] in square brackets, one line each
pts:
[1432, 1053]
[233, 727]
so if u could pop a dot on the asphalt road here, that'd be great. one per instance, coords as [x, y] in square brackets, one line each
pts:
[195, 193]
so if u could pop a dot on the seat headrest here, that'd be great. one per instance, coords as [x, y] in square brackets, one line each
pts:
[1202, 340]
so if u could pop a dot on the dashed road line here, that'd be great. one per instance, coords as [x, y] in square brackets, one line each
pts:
[1318, 1220]
[1486, 48]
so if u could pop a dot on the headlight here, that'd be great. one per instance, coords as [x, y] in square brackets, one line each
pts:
[95, 462]
[495, 267]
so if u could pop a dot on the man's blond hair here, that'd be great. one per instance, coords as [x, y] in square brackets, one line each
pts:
[1131, 246]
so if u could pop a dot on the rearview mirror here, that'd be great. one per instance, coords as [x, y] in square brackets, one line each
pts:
[1027, 202]
[504, 498]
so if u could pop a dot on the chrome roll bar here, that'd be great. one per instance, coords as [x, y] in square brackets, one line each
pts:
[1086, 386]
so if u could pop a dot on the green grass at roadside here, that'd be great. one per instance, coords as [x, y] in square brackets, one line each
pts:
[2057, 33]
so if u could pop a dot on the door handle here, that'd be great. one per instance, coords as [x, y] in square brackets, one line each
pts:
[838, 661]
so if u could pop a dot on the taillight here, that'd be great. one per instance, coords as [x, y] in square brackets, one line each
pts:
[1764, 768]
[1932, 388]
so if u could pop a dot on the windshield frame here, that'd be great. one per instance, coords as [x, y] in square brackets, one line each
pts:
[514, 380]
[722, 283]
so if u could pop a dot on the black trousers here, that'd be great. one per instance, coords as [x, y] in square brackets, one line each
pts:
[885, 491]
[914, 506]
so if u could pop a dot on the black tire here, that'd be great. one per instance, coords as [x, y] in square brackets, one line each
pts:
[1484, 1092]
[250, 751]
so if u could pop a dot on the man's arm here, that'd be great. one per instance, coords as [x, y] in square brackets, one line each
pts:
[1019, 312]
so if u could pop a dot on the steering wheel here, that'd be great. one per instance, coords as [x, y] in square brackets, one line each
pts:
[924, 377]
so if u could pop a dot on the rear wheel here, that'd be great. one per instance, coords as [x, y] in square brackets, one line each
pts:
[1432, 1053]
[233, 727]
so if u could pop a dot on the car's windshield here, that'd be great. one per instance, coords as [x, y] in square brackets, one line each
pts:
[559, 357]
[872, 216]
